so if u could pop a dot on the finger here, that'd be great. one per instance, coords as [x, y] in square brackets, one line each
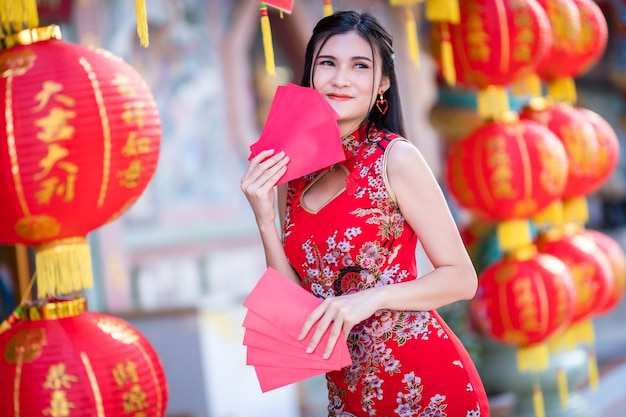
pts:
[322, 325]
[313, 317]
[335, 333]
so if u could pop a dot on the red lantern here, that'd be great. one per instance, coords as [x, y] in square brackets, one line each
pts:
[590, 269]
[495, 42]
[577, 135]
[608, 149]
[522, 302]
[507, 169]
[80, 144]
[594, 34]
[64, 361]
[615, 254]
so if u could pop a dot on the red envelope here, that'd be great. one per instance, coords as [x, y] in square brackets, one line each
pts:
[302, 124]
[274, 377]
[272, 330]
[284, 5]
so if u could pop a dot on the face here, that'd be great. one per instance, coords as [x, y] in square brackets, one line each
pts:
[344, 72]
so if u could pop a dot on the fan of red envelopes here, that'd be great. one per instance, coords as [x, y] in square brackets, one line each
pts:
[301, 123]
[277, 308]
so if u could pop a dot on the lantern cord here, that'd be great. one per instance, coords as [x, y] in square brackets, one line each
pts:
[328, 8]
[592, 369]
[17, 15]
[411, 37]
[142, 22]
[266, 32]
[447, 56]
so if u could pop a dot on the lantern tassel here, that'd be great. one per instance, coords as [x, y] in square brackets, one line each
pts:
[561, 382]
[17, 15]
[411, 37]
[513, 234]
[527, 86]
[443, 11]
[592, 369]
[535, 358]
[63, 267]
[493, 102]
[142, 22]
[447, 56]
[563, 90]
[328, 8]
[266, 31]
[538, 404]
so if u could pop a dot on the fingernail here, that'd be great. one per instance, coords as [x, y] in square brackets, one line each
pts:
[326, 355]
[309, 349]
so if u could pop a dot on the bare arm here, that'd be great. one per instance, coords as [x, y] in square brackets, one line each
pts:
[258, 185]
[424, 208]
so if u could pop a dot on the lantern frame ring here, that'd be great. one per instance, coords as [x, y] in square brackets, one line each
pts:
[30, 36]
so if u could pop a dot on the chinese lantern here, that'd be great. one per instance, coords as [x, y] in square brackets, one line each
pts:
[594, 35]
[522, 300]
[579, 138]
[608, 148]
[62, 360]
[80, 144]
[507, 169]
[617, 259]
[494, 44]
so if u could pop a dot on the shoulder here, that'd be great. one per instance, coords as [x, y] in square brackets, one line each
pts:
[403, 155]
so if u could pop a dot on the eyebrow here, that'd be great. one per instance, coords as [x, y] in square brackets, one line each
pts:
[353, 58]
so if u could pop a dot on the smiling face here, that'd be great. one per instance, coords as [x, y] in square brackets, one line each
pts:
[349, 77]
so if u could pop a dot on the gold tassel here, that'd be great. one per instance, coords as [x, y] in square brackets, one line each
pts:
[592, 365]
[266, 31]
[527, 86]
[563, 90]
[535, 358]
[63, 267]
[576, 210]
[492, 102]
[17, 15]
[513, 234]
[142, 22]
[538, 404]
[443, 11]
[412, 38]
[328, 8]
[561, 382]
[552, 215]
[447, 56]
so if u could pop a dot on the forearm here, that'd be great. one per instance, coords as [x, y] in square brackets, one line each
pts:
[274, 252]
[442, 286]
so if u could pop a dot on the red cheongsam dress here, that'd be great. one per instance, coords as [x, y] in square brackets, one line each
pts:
[404, 363]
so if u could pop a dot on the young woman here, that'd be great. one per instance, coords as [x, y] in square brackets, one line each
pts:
[349, 235]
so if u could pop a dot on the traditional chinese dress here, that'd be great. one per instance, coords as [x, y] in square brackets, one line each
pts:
[405, 363]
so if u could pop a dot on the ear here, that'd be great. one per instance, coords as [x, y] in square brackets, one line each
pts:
[384, 83]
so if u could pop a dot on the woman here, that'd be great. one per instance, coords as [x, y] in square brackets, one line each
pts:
[349, 234]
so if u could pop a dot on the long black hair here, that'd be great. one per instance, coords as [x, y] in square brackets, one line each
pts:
[368, 27]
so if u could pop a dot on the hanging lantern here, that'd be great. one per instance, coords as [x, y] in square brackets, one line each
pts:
[80, 144]
[591, 270]
[615, 254]
[507, 169]
[62, 360]
[608, 149]
[577, 135]
[594, 35]
[522, 300]
[494, 44]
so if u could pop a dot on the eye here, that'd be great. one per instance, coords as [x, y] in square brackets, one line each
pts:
[361, 65]
[325, 62]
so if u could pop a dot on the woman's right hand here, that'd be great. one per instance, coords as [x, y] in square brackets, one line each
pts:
[258, 183]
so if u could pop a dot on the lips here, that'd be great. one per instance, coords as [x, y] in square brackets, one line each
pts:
[339, 97]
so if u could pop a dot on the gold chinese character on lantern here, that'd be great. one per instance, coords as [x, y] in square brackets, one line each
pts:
[125, 373]
[135, 399]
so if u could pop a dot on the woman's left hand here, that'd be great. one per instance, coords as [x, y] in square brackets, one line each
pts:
[341, 314]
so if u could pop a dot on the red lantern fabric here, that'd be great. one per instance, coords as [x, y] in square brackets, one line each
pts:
[579, 138]
[495, 42]
[522, 302]
[507, 169]
[565, 24]
[608, 149]
[617, 258]
[80, 143]
[70, 362]
[589, 267]
[594, 35]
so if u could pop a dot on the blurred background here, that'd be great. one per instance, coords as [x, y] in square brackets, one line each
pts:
[178, 264]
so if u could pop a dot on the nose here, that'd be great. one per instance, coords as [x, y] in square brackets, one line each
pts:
[341, 77]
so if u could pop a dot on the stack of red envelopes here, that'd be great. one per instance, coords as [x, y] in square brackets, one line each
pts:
[277, 308]
[301, 123]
